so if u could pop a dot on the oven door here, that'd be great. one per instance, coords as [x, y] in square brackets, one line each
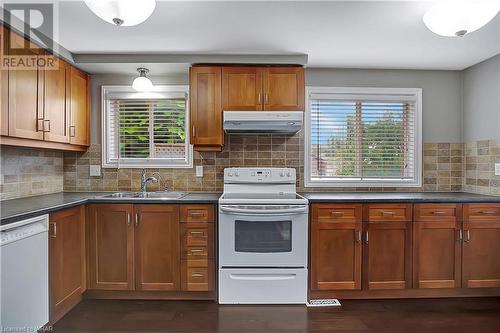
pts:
[263, 236]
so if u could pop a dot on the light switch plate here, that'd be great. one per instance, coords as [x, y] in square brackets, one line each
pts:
[199, 171]
[497, 169]
[95, 171]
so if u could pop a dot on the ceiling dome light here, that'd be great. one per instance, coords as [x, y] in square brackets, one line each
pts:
[460, 17]
[122, 12]
[142, 82]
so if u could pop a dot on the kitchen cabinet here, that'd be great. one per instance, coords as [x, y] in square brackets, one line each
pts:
[66, 260]
[55, 109]
[111, 247]
[44, 108]
[79, 92]
[156, 245]
[206, 108]
[336, 247]
[481, 247]
[437, 246]
[283, 89]
[25, 108]
[242, 88]
[387, 246]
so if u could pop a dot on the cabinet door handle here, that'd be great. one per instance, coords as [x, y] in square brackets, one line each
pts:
[39, 125]
[194, 131]
[136, 219]
[72, 131]
[359, 236]
[266, 98]
[467, 235]
[129, 219]
[46, 122]
[54, 228]
[460, 235]
[259, 99]
[366, 237]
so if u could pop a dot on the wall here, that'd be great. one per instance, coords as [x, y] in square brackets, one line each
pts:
[26, 172]
[481, 109]
[442, 118]
[442, 137]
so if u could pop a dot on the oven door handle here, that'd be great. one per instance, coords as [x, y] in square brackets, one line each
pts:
[246, 211]
[262, 277]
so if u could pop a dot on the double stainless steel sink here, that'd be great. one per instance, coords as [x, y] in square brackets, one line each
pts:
[146, 195]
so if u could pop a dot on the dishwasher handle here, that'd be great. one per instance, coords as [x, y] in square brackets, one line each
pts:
[24, 229]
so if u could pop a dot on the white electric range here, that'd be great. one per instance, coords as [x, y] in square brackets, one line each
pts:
[263, 233]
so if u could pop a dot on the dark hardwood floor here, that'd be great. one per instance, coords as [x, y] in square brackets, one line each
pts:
[388, 316]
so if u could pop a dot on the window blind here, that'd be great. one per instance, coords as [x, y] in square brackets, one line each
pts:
[147, 131]
[363, 137]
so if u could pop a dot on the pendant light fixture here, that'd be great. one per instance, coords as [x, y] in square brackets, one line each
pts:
[142, 83]
[122, 12]
[460, 17]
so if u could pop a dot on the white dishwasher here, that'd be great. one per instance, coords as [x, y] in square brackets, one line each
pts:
[24, 256]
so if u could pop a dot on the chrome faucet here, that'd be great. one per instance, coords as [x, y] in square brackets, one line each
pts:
[145, 180]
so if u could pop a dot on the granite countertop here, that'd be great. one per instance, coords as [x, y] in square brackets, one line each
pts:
[416, 197]
[18, 209]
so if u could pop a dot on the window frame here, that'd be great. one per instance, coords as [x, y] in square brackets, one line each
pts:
[416, 181]
[106, 161]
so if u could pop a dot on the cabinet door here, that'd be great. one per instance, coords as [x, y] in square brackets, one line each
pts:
[79, 129]
[387, 255]
[56, 110]
[25, 102]
[242, 88]
[157, 247]
[206, 108]
[437, 254]
[284, 89]
[4, 91]
[66, 260]
[336, 247]
[111, 247]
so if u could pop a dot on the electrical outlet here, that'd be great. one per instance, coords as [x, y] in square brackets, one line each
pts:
[95, 171]
[497, 169]
[199, 171]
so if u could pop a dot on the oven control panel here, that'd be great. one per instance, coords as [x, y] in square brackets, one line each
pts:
[264, 175]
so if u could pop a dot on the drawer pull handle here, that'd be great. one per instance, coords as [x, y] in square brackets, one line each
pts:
[388, 213]
[337, 214]
[197, 233]
[488, 212]
[438, 212]
[197, 251]
[197, 275]
[194, 214]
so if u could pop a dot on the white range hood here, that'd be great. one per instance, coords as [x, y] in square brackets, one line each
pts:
[255, 122]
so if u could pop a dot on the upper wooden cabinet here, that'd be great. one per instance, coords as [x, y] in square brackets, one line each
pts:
[263, 88]
[79, 104]
[44, 108]
[206, 108]
[242, 88]
[284, 89]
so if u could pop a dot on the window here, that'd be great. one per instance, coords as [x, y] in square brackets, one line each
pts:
[365, 137]
[145, 129]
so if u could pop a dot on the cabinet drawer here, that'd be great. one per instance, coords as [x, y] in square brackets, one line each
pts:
[388, 212]
[336, 213]
[481, 212]
[196, 234]
[436, 212]
[197, 278]
[197, 213]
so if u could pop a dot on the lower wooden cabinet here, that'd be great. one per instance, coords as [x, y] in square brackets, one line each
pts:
[437, 246]
[481, 249]
[111, 247]
[157, 258]
[66, 260]
[144, 247]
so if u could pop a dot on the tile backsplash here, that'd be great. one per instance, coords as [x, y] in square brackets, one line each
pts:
[27, 172]
[480, 159]
[443, 167]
